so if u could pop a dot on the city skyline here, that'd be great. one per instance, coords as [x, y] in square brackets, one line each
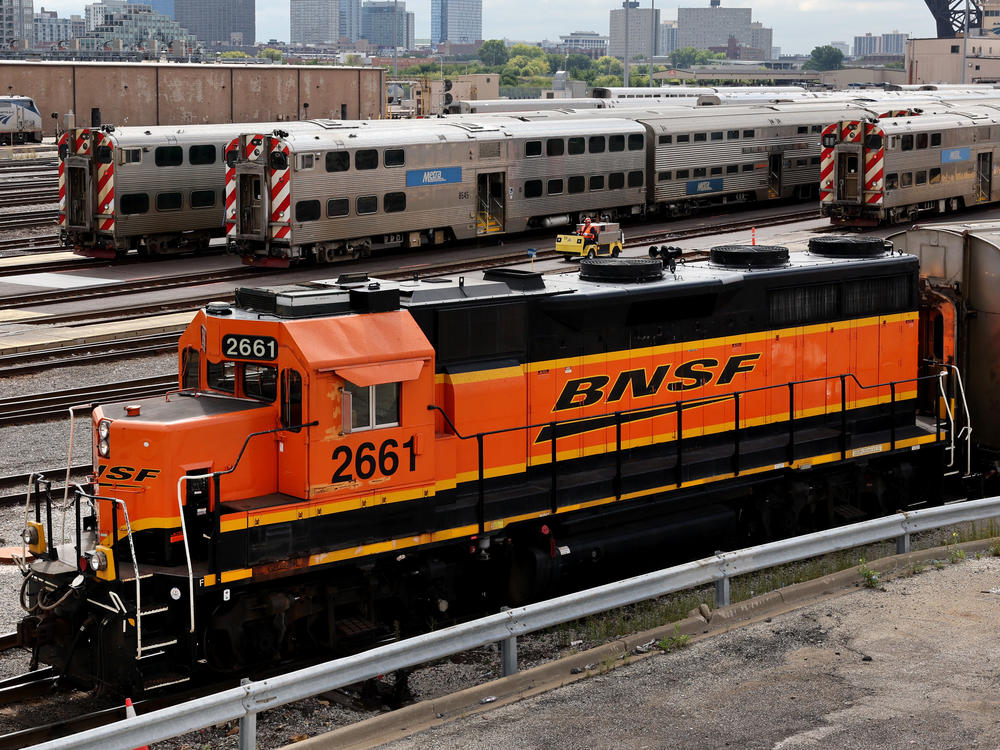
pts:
[799, 25]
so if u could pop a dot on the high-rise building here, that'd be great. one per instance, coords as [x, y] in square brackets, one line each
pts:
[894, 43]
[991, 17]
[867, 45]
[17, 22]
[668, 37]
[386, 24]
[844, 47]
[350, 19]
[218, 22]
[314, 21]
[436, 21]
[461, 21]
[163, 7]
[96, 13]
[761, 38]
[703, 28]
[643, 31]
[133, 26]
[50, 29]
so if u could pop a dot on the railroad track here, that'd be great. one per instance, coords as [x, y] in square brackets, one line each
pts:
[31, 197]
[30, 166]
[36, 407]
[53, 266]
[42, 243]
[127, 287]
[26, 219]
[22, 363]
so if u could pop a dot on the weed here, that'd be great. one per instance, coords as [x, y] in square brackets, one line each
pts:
[916, 569]
[955, 555]
[995, 549]
[869, 577]
[675, 641]
[938, 564]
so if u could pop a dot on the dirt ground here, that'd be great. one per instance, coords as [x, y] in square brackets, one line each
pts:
[913, 663]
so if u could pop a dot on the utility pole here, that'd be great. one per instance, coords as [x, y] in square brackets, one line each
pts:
[395, 40]
[626, 4]
[652, 39]
[965, 41]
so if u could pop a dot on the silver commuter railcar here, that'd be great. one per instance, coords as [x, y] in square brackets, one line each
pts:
[894, 170]
[321, 196]
[20, 120]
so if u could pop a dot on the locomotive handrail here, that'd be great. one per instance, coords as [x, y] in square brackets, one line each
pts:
[680, 406]
[216, 477]
[244, 702]
[965, 430]
[115, 502]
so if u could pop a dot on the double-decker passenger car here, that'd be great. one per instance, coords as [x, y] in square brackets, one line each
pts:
[897, 169]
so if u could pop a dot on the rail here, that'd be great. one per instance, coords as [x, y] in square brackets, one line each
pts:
[250, 698]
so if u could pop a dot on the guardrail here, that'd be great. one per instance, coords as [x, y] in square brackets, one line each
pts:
[246, 701]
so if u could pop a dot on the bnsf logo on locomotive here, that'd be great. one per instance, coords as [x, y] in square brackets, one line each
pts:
[125, 473]
[688, 375]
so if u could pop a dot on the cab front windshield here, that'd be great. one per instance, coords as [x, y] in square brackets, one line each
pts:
[240, 379]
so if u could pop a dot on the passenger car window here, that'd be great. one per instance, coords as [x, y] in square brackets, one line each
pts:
[338, 207]
[597, 182]
[532, 188]
[394, 202]
[366, 158]
[168, 156]
[616, 181]
[307, 211]
[576, 184]
[367, 204]
[907, 142]
[393, 157]
[555, 147]
[134, 203]
[616, 143]
[201, 154]
[576, 146]
[533, 148]
[338, 161]
[168, 201]
[636, 142]
[555, 187]
[635, 178]
[202, 198]
[596, 144]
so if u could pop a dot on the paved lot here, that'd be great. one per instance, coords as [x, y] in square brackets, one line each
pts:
[914, 664]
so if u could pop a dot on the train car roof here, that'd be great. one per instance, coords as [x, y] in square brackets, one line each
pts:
[965, 117]
[358, 293]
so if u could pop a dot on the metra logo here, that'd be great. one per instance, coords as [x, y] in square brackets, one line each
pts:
[125, 473]
[433, 175]
[686, 376]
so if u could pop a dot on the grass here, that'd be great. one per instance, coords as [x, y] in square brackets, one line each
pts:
[675, 641]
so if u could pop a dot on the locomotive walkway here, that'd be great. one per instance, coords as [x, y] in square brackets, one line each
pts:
[912, 663]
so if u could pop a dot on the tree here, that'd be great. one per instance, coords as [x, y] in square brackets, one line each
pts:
[684, 57]
[272, 54]
[609, 66]
[494, 52]
[608, 81]
[825, 58]
[527, 50]
[234, 55]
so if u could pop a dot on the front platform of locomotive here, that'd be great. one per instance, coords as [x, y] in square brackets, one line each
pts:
[119, 562]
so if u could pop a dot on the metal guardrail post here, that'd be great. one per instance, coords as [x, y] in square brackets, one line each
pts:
[508, 653]
[902, 544]
[248, 726]
[722, 592]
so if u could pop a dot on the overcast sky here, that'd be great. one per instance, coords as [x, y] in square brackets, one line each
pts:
[799, 25]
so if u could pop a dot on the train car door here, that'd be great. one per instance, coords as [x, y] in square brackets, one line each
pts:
[251, 201]
[984, 176]
[774, 164]
[491, 202]
[78, 213]
[849, 176]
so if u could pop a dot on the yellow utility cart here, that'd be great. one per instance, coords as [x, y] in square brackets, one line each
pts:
[608, 240]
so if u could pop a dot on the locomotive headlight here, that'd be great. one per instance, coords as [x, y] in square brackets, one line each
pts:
[103, 448]
[104, 429]
[97, 560]
[30, 536]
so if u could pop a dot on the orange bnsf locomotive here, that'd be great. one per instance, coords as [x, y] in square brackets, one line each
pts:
[347, 459]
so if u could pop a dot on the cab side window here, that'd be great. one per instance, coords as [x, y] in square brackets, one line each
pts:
[371, 407]
[191, 368]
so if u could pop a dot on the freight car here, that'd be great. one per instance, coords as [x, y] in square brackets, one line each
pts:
[347, 458]
[20, 120]
[897, 169]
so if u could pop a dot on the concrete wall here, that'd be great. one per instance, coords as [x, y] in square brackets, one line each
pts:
[940, 60]
[841, 79]
[177, 94]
